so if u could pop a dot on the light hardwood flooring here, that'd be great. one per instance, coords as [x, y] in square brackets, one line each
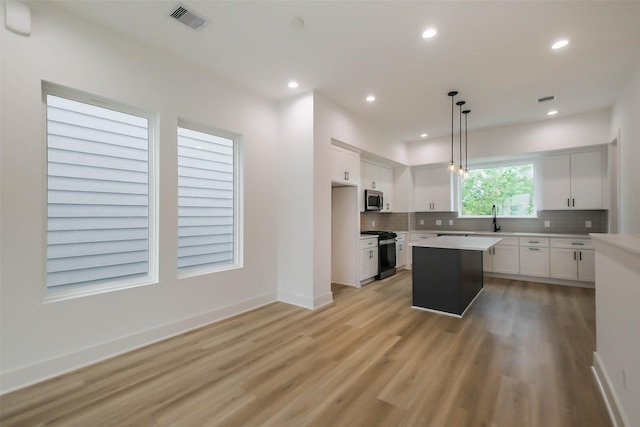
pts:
[521, 357]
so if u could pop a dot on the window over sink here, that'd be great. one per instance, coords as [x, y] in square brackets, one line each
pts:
[510, 187]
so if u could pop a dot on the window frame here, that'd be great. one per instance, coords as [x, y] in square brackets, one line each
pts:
[152, 277]
[534, 161]
[238, 199]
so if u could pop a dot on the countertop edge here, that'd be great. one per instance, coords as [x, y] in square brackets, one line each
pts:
[626, 242]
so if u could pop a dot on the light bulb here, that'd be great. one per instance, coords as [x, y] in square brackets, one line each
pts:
[466, 173]
[452, 167]
[461, 170]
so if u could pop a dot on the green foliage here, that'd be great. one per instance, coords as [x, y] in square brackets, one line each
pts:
[510, 188]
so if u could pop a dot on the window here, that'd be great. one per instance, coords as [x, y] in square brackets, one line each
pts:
[208, 201]
[510, 188]
[99, 185]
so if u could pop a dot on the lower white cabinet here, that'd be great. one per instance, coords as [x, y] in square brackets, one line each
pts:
[572, 259]
[368, 258]
[573, 264]
[534, 256]
[503, 257]
[587, 265]
[401, 250]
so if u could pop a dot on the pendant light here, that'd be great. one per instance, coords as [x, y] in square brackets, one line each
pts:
[461, 168]
[452, 165]
[466, 145]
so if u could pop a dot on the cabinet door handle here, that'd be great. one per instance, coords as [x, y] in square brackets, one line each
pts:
[580, 257]
[534, 249]
[533, 241]
[574, 202]
[568, 203]
[577, 244]
[574, 256]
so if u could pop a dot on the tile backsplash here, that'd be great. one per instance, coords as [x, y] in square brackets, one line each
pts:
[561, 222]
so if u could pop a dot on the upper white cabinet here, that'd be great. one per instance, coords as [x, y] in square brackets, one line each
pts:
[573, 181]
[380, 178]
[345, 165]
[433, 190]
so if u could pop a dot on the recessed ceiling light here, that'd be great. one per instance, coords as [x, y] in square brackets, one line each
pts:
[423, 135]
[370, 98]
[552, 112]
[560, 44]
[429, 32]
[293, 84]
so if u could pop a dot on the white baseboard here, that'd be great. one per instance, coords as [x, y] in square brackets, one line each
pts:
[323, 300]
[23, 377]
[611, 401]
[545, 280]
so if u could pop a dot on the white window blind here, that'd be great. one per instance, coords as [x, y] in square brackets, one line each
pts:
[206, 202]
[98, 195]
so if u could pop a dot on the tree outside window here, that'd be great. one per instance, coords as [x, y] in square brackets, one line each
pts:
[510, 188]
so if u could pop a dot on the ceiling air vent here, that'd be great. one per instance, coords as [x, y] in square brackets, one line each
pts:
[547, 98]
[187, 17]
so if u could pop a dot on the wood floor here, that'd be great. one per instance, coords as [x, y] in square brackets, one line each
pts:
[520, 357]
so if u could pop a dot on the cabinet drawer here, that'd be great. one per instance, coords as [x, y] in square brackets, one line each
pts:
[572, 243]
[534, 242]
[416, 237]
[509, 241]
[369, 243]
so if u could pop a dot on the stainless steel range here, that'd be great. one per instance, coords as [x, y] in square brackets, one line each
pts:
[386, 253]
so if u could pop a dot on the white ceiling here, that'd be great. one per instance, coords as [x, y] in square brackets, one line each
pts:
[495, 53]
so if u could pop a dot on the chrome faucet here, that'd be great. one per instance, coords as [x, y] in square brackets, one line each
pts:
[494, 212]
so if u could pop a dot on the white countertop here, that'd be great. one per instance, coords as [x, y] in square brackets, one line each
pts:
[627, 242]
[467, 243]
[503, 234]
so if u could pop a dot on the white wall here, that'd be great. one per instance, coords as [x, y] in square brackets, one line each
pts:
[332, 122]
[617, 357]
[551, 134]
[40, 340]
[625, 125]
[295, 205]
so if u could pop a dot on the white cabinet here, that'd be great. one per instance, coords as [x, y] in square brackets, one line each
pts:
[368, 258]
[503, 257]
[572, 259]
[378, 177]
[345, 165]
[573, 181]
[401, 250]
[433, 190]
[534, 256]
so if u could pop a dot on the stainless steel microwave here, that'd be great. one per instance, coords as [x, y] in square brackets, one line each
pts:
[373, 200]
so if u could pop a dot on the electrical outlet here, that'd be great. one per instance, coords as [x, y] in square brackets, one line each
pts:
[587, 224]
[374, 223]
[450, 222]
[547, 223]
[438, 222]
[422, 222]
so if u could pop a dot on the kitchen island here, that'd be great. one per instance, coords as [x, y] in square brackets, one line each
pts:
[447, 272]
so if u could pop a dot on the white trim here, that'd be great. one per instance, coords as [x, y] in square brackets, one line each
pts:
[459, 316]
[609, 396]
[296, 299]
[32, 374]
[323, 300]
[543, 280]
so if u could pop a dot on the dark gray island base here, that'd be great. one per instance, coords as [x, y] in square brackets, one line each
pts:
[447, 273]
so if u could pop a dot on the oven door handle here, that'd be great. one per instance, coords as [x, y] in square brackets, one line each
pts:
[387, 242]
